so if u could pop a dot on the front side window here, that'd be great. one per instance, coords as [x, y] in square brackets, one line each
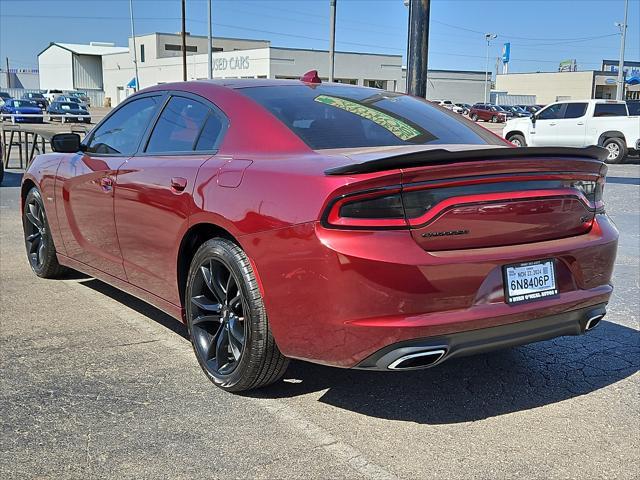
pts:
[178, 127]
[335, 116]
[610, 110]
[575, 110]
[120, 134]
[552, 112]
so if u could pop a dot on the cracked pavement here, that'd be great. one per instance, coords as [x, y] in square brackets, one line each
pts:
[97, 384]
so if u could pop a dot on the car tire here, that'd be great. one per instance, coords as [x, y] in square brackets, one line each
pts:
[224, 306]
[616, 148]
[41, 251]
[474, 117]
[494, 119]
[518, 140]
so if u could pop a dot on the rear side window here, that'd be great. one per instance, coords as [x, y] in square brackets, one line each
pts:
[210, 133]
[634, 107]
[610, 110]
[575, 110]
[120, 134]
[178, 127]
[335, 116]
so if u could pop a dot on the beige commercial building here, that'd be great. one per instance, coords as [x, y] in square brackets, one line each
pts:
[553, 86]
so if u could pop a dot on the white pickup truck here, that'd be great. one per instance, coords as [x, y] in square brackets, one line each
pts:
[579, 123]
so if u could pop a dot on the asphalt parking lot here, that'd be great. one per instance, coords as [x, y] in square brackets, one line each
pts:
[97, 384]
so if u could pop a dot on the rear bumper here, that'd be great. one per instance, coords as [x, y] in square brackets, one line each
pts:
[338, 297]
[575, 322]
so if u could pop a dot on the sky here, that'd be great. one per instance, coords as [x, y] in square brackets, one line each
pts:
[542, 32]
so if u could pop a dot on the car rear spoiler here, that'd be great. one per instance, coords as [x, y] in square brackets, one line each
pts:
[441, 156]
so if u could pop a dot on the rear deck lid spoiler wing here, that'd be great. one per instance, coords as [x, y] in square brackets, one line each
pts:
[439, 156]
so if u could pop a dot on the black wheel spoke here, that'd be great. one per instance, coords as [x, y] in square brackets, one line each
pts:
[222, 348]
[33, 237]
[204, 304]
[218, 280]
[236, 337]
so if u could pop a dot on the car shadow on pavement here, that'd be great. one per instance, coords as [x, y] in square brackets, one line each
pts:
[139, 306]
[477, 387]
[461, 390]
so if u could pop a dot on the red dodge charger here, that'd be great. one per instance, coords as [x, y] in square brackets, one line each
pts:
[337, 224]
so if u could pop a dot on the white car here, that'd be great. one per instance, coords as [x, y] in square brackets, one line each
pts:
[579, 123]
[51, 94]
[451, 106]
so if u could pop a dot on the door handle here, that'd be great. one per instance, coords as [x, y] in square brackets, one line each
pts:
[552, 124]
[178, 183]
[106, 183]
[580, 123]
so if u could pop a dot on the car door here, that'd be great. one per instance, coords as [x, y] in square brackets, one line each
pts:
[571, 128]
[86, 183]
[545, 131]
[153, 198]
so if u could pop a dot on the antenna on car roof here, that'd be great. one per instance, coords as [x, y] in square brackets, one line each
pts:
[311, 77]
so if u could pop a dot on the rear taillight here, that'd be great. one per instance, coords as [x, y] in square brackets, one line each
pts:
[412, 205]
[373, 209]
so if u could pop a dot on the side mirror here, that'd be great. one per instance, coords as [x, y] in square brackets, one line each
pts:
[533, 118]
[66, 143]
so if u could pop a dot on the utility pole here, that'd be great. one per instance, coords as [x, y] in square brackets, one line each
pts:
[623, 31]
[135, 51]
[8, 77]
[488, 37]
[184, 42]
[210, 52]
[332, 38]
[418, 47]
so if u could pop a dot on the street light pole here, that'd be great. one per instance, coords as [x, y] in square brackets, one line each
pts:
[623, 31]
[332, 38]
[488, 37]
[133, 39]
[184, 42]
[210, 51]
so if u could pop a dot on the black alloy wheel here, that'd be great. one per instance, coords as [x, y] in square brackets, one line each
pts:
[37, 238]
[227, 319]
[218, 323]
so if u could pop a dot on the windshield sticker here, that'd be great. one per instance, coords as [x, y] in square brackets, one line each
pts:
[397, 127]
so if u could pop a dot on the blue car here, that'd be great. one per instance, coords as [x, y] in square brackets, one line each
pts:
[21, 111]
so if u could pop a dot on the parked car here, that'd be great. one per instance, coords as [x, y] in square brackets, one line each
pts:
[488, 113]
[72, 99]
[634, 107]
[451, 106]
[68, 112]
[51, 94]
[529, 108]
[465, 108]
[515, 111]
[271, 218]
[4, 96]
[36, 98]
[580, 123]
[83, 97]
[23, 111]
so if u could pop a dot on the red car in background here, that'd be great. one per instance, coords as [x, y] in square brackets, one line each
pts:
[488, 113]
[338, 224]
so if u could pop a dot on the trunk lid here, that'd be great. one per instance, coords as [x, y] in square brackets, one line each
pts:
[463, 197]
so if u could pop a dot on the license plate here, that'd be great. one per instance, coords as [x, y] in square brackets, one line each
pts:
[529, 281]
[81, 119]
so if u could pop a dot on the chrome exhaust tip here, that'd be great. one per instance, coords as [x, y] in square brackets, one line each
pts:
[417, 360]
[593, 322]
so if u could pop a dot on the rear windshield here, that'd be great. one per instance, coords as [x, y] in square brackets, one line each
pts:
[334, 116]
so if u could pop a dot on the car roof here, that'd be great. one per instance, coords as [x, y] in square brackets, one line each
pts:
[237, 83]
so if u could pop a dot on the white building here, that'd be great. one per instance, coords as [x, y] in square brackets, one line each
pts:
[70, 66]
[101, 67]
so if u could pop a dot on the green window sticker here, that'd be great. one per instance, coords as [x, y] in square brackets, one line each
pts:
[397, 127]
